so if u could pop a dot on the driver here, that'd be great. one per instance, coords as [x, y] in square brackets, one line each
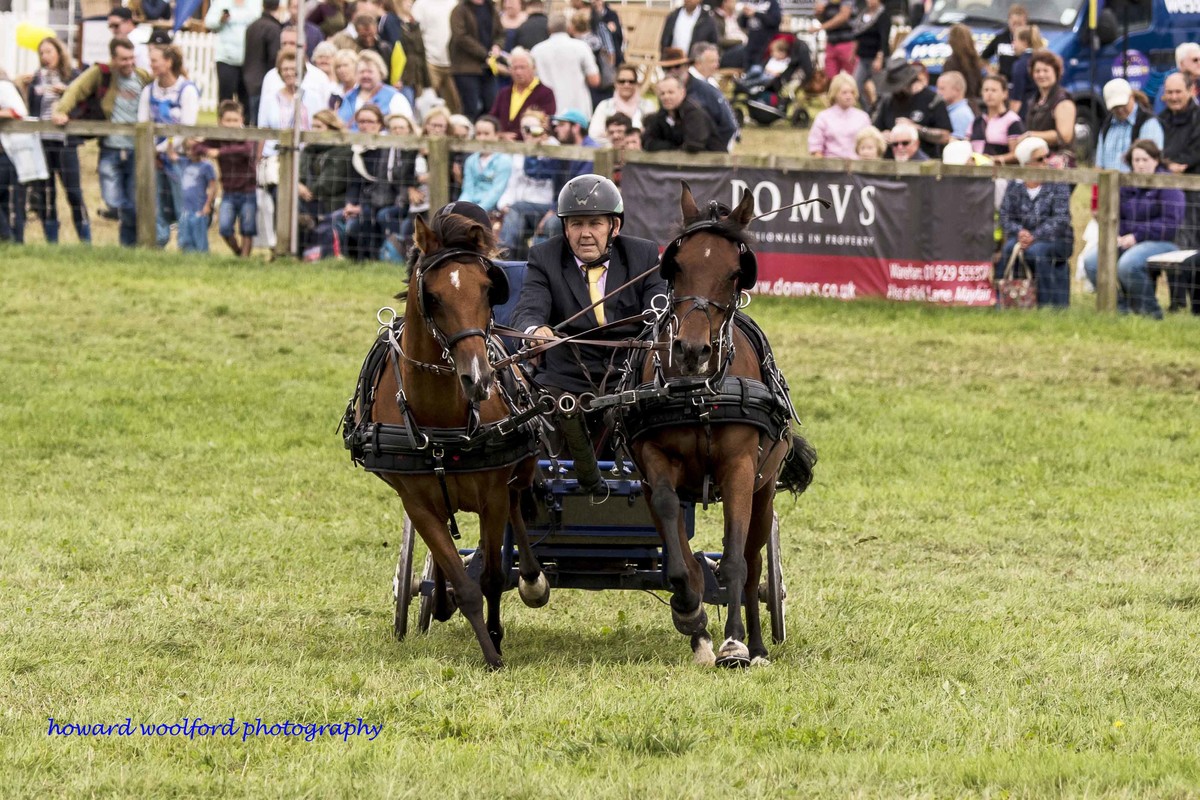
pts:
[572, 270]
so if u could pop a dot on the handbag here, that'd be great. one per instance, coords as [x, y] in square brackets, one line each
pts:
[1017, 292]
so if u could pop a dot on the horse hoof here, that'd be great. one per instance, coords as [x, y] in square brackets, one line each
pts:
[702, 651]
[495, 666]
[536, 594]
[692, 623]
[733, 655]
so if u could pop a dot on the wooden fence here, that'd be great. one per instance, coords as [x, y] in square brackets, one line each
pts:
[440, 150]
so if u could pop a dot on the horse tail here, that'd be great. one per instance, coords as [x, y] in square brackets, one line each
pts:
[797, 471]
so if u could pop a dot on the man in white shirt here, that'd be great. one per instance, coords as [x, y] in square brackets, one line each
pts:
[315, 84]
[567, 66]
[434, 17]
[687, 25]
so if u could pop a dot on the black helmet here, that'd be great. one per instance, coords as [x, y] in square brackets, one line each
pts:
[590, 195]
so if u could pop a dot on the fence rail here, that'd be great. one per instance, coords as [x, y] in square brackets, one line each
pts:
[440, 152]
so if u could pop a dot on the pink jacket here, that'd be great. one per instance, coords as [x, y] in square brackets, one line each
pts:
[833, 132]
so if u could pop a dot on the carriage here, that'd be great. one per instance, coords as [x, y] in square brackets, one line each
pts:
[443, 415]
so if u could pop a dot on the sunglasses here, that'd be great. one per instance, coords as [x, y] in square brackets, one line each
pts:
[626, 81]
[533, 131]
[114, 26]
[903, 142]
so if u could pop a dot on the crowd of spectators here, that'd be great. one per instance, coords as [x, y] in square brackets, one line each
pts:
[508, 70]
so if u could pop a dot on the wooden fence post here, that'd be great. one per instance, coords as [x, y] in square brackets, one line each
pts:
[1107, 217]
[285, 199]
[439, 172]
[145, 160]
[605, 162]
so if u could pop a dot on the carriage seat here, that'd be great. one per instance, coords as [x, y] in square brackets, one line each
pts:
[515, 270]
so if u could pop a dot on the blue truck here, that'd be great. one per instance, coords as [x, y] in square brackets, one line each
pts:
[1133, 40]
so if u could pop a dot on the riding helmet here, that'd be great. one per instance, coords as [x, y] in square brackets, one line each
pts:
[590, 195]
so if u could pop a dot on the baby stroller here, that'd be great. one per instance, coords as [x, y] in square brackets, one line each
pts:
[766, 99]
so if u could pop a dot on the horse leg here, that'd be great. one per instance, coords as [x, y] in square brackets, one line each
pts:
[436, 533]
[532, 585]
[491, 541]
[736, 478]
[683, 573]
[761, 518]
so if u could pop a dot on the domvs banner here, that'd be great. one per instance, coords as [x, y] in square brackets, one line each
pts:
[920, 238]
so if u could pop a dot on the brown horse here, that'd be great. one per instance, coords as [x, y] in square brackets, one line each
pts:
[724, 451]
[434, 399]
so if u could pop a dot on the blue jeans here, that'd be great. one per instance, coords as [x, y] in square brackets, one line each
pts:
[1048, 260]
[193, 232]
[12, 203]
[477, 93]
[1135, 287]
[118, 187]
[63, 158]
[519, 223]
[170, 199]
[240, 208]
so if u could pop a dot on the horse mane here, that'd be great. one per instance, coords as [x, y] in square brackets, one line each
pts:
[455, 231]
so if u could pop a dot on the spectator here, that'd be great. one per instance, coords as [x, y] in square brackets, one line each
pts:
[535, 29]
[1001, 47]
[312, 34]
[315, 84]
[528, 199]
[323, 58]
[324, 177]
[170, 99]
[995, 131]
[708, 97]
[154, 10]
[687, 25]
[1187, 61]
[1181, 155]
[627, 100]
[229, 19]
[121, 25]
[906, 143]
[834, 17]
[375, 178]
[512, 17]
[950, 87]
[366, 37]
[869, 144]
[485, 175]
[475, 37]
[262, 48]
[1129, 118]
[329, 16]
[606, 23]
[345, 64]
[389, 23]
[680, 124]
[567, 66]
[616, 128]
[117, 87]
[1050, 115]
[1037, 218]
[524, 93]
[278, 111]
[633, 140]
[12, 191]
[835, 130]
[1022, 89]
[761, 20]
[198, 190]
[372, 90]
[46, 88]
[600, 43]
[1149, 220]
[415, 76]
[730, 36]
[434, 18]
[872, 43]
[239, 206]
[965, 60]
[906, 96]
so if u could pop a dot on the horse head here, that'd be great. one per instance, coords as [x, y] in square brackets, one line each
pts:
[706, 267]
[454, 285]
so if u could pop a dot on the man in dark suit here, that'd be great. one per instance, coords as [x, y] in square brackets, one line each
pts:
[687, 25]
[569, 272]
[262, 48]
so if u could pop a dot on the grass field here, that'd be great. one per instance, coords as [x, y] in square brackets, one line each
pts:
[993, 581]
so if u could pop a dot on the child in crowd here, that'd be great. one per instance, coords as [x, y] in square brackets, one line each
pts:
[239, 207]
[199, 181]
[780, 58]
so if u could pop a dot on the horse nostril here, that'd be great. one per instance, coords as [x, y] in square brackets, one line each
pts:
[705, 352]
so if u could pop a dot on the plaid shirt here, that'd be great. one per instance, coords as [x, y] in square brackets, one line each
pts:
[1047, 216]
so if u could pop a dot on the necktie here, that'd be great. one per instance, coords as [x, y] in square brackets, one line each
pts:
[593, 275]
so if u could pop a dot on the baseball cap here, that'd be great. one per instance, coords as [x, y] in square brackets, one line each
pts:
[574, 116]
[958, 153]
[1117, 93]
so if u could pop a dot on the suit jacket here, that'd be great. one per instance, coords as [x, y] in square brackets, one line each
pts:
[692, 131]
[262, 46]
[555, 288]
[541, 98]
[468, 55]
[705, 30]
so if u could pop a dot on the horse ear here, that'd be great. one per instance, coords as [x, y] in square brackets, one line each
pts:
[687, 203]
[482, 239]
[744, 211]
[423, 237]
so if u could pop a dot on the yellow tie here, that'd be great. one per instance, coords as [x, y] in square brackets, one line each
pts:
[594, 274]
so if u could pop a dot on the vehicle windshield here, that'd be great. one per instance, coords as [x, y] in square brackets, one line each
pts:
[1041, 12]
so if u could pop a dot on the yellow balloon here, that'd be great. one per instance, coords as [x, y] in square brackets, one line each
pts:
[29, 36]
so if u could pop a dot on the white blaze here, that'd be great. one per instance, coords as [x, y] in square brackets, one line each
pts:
[454, 281]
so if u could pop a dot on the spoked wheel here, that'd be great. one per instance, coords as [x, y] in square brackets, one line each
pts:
[776, 592]
[425, 604]
[402, 583]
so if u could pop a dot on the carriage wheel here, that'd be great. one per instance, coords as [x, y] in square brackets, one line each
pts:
[776, 592]
[425, 603]
[402, 584]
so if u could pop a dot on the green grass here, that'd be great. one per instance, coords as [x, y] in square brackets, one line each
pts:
[992, 582]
